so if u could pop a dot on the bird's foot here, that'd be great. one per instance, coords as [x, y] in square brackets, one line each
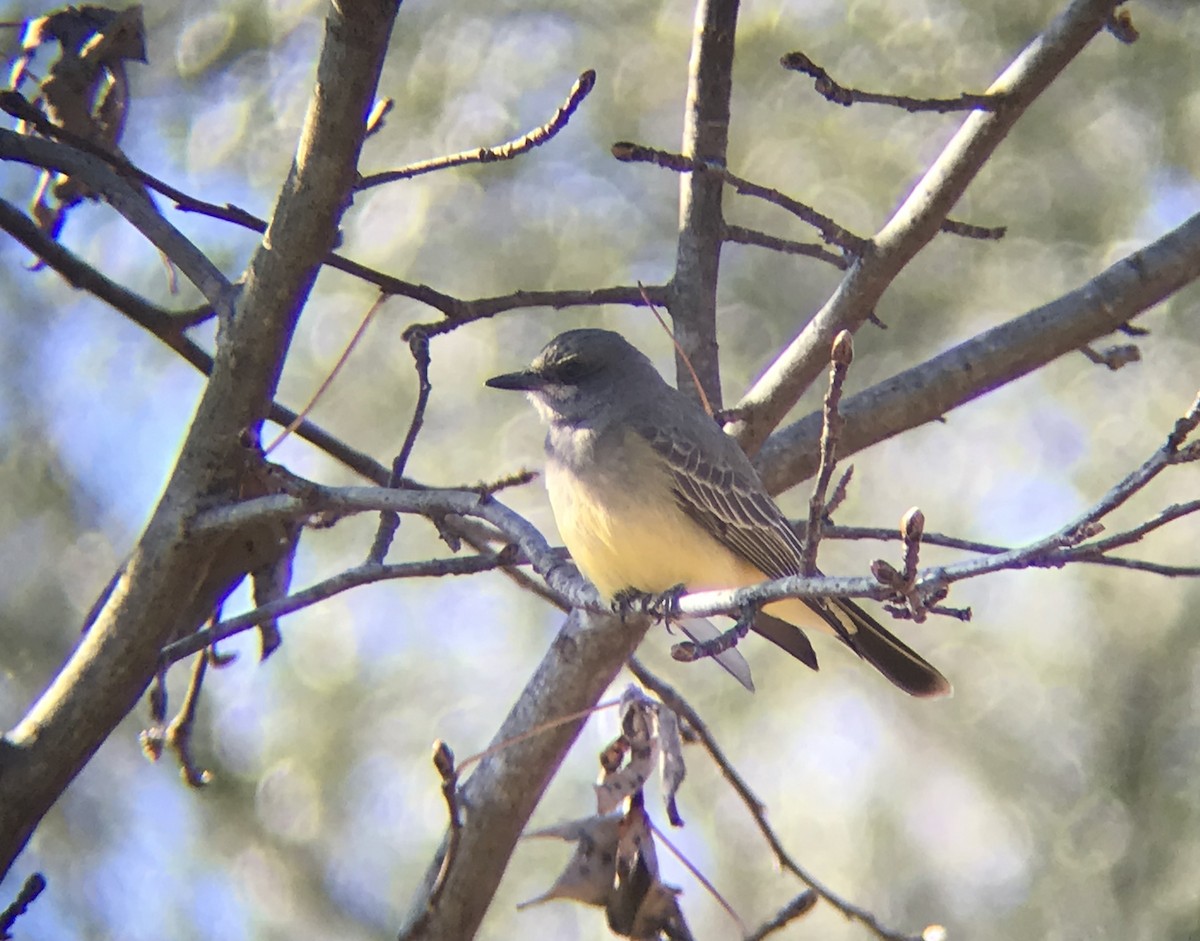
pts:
[663, 606]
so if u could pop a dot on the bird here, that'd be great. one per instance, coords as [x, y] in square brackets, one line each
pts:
[649, 494]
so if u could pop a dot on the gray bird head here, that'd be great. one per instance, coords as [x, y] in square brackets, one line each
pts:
[584, 378]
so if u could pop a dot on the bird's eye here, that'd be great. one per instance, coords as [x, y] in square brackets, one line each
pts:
[570, 371]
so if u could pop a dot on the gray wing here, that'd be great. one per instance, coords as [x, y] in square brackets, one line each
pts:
[720, 490]
[722, 493]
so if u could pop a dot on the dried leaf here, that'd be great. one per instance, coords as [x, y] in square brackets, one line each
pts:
[640, 905]
[85, 91]
[672, 769]
[638, 742]
[589, 875]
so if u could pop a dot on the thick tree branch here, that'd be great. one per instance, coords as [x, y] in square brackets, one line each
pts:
[502, 792]
[927, 391]
[171, 584]
[917, 220]
[130, 201]
[693, 291]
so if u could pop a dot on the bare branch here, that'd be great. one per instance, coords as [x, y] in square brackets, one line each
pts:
[464, 312]
[743, 236]
[998, 356]
[418, 345]
[968, 231]
[845, 96]
[32, 888]
[801, 905]
[841, 355]
[170, 585]
[1091, 553]
[365, 574]
[830, 230]
[917, 220]
[507, 151]
[692, 298]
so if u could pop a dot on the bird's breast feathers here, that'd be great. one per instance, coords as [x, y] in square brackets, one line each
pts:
[621, 521]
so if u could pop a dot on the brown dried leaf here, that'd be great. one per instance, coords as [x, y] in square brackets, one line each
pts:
[589, 875]
[639, 742]
[640, 905]
[672, 769]
[86, 88]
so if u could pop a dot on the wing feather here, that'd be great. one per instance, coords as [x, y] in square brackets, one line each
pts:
[729, 502]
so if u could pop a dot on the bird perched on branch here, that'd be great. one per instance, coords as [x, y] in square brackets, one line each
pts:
[650, 494]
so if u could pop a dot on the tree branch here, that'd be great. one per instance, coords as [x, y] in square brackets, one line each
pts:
[998, 356]
[502, 792]
[507, 151]
[692, 299]
[131, 202]
[917, 220]
[170, 585]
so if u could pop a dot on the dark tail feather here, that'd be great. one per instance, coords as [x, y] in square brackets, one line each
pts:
[884, 651]
[786, 636]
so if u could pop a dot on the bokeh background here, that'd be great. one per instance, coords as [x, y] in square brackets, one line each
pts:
[1053, 797]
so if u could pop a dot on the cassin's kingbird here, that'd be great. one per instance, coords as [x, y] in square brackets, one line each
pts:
[649, 493]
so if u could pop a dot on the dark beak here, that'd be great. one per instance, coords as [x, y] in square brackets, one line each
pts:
[525, 381]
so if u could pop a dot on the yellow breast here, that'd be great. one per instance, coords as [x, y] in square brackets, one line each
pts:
[624, 529]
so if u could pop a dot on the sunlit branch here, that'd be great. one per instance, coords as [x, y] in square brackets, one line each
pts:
[918, 219]
[843, 95]
[830, 230]
[365, 574]
[995, 357]
[507, 151]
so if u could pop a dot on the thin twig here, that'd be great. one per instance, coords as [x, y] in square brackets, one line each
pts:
[506, 151]
[830, 230]
[33, 887]
[757, 808]
[842, 95]
[1113, 357]
[836, 498]
[801, 905]
[679, 351]
[744, 236]
[698, 875]
[968, 231]
[365, 574]
[538, 730]
[689, 651]
[443, 761]
[179, 732]
[1086, 554]
[483, 308]
[841, 355]
[516, 479]
[418, 344]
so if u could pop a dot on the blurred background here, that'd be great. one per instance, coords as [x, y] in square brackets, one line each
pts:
[1053, 797]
